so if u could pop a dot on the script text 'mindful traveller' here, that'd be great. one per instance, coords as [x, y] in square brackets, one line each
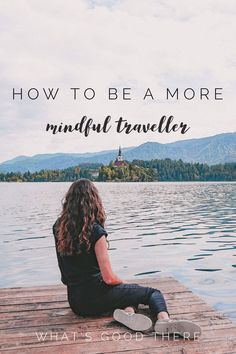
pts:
[87, 125]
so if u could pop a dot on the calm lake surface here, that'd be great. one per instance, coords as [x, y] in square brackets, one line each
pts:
[187, 230]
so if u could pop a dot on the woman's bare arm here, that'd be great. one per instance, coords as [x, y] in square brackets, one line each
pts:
[109, 277]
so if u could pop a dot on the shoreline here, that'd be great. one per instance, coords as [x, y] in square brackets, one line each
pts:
[122, 182]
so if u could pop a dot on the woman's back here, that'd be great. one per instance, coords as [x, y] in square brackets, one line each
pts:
[79, 268]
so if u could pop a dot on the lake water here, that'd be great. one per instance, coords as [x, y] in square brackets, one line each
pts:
[187, 230]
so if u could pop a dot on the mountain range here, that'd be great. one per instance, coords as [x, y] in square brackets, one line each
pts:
[212, 150]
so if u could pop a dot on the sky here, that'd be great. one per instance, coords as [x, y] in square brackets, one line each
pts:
[138, 44]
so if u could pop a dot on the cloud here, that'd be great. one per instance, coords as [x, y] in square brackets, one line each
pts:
[103, 44]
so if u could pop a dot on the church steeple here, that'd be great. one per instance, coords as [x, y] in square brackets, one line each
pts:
[119, 161]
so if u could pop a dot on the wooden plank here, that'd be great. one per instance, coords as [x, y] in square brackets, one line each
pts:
[95, 329]
[66, 317]
[15, 290]
[25, 311]
[11, 309]
[15, 333]
[22, 291]
[15, 309]
[107, 336]
[63, 297]
[147, 343]
[65, 321]
[167, 289]
[210, 320]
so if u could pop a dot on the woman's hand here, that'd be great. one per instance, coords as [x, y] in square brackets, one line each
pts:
[115, 281]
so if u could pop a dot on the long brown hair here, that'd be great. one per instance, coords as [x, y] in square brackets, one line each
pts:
[82, 206]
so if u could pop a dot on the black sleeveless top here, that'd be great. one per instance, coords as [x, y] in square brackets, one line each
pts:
[79, 268]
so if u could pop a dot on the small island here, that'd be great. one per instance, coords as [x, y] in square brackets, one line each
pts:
[120, 170]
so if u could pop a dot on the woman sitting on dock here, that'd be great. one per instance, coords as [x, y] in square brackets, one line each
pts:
[92, 286]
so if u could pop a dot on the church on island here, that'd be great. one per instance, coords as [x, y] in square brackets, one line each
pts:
[119, 161]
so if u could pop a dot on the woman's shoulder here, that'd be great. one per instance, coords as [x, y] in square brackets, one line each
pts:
[98, 224]
[98, 231]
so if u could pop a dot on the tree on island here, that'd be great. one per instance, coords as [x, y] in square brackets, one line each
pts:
[128, 172]
[137, 171]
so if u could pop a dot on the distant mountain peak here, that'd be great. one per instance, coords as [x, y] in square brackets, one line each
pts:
[216, 149]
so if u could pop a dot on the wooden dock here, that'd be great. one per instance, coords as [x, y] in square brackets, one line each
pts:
[39, 320]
